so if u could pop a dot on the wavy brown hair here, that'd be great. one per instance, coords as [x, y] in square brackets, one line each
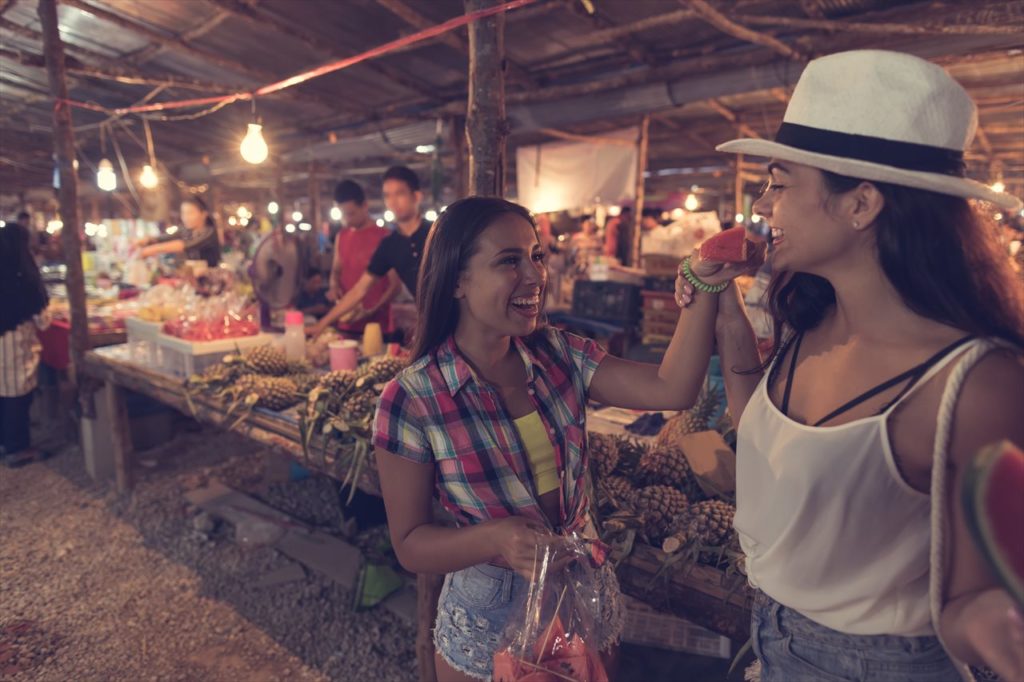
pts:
[940, 252]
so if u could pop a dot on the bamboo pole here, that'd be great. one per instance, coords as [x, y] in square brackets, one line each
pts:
[738, 186]
[486, 127]
[64, 145]
[638, 206]
[712, 16]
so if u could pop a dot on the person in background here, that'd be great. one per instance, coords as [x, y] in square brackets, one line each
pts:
[353, 249]
[313, 296]
[23, 302]
[199, 241]
[616, 235]
[585, 245]
[400, 252]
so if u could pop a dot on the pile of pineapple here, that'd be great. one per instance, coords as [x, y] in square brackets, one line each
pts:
[261, 377]
[651, 489]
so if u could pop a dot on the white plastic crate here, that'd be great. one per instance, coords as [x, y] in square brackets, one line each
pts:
[183, 358]
[648, 627]
[145, 335]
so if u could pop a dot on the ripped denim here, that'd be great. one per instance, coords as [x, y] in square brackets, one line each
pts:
[476, 605]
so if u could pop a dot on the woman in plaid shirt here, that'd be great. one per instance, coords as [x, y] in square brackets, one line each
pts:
[491, 417]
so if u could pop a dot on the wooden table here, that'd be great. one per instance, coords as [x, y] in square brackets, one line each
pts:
[699, 595]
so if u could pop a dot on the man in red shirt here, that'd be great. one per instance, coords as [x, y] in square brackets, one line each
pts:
[353, 249]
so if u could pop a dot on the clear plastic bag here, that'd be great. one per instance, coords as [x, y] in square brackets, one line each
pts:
[556, 634]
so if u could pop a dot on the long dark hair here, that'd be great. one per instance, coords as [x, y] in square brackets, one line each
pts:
[22, 293]
[451, 243]
[941, 254]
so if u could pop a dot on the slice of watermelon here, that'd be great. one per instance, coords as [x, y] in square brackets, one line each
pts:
[993, 498]
[730, 246]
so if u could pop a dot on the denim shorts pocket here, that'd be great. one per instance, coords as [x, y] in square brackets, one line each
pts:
[804, 661]
[929, 663]
[477, 589]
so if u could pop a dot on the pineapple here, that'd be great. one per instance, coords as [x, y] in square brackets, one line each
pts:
[629, 450]
[707, 523]
[273, 393]
[339, 383]
[618, 491]
[304, 381]
[378, 371]
[604, 454]
[669, 466]
[298, 367]
[659, 505]
[359, 406]
[697, 418]
[267, 359]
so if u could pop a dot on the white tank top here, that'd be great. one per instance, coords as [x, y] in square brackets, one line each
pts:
[829, 526]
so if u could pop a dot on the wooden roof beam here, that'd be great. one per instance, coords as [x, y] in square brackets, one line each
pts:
[614, 33]
[412, 16]
[127, 76]
[177, 44]
[731, 116]
[637, 51]
[871, 27]
[259, 16]
[726, 25]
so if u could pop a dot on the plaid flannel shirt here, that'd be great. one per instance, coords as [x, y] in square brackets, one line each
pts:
[437, 411]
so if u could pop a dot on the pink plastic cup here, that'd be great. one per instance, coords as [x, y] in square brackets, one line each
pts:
[343, 355]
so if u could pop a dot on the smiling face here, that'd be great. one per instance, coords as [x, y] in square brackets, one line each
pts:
[502, 288]
[810, 228]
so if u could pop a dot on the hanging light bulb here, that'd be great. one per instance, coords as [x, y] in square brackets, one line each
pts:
[106, 179]
[297, 216]
[692, 203]
[254, 148]
[336, 214]
[389, 216]
[740, 217]
[430, 215]
[273, 208]
[148, 178]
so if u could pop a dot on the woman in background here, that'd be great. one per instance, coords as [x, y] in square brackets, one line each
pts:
[23, 302]
[200, 240]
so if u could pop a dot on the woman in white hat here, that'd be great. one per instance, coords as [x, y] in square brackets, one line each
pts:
[898, 329]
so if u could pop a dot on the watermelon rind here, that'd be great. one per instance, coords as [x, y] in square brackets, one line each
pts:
[974, 492]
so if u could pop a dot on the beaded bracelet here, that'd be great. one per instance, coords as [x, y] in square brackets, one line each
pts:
[701, 285]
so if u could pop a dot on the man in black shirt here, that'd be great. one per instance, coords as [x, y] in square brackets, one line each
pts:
[400, 251]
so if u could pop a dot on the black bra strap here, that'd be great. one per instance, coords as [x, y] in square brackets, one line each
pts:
[914, 374]
[792, 373]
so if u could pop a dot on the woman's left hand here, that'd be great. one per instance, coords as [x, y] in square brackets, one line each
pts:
[994, 627]
[714, 272]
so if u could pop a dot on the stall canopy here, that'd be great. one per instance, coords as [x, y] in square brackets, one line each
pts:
[565, 175]
[704, 71]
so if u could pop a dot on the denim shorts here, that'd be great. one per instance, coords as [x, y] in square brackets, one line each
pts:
[478, 603]
[793, 648]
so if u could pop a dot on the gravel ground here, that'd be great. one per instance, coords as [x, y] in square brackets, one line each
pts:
[94, 586]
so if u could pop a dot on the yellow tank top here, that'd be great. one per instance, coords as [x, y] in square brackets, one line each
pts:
[539, 452]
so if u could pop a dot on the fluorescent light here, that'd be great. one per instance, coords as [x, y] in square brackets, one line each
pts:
[425, 149]
[305, 227]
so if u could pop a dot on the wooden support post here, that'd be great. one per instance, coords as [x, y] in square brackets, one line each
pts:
[486, 127]
[120, 436]
[738, 186]
[64, 143]
[638, 206]
[314, 199]
[458, 134]
[428, 591]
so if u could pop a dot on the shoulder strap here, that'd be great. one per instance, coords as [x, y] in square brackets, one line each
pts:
[940, 458]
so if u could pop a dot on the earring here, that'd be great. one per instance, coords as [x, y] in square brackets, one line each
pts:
[856, 224]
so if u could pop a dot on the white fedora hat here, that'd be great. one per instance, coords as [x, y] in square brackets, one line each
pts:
[879, 115]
